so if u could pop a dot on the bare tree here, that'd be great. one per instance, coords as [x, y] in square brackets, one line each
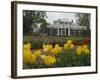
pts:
[83, 19]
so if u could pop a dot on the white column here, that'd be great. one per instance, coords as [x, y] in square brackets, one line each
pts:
[61, 31]
[58, 31]
[65, 31]
[69, 32]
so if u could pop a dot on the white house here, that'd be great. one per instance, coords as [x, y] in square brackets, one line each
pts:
[65, 27]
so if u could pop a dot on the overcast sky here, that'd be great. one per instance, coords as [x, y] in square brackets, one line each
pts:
[52, 16]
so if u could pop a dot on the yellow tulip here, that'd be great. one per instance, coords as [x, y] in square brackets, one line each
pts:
[86, 51]
[45, 50]
[49, 60]
[65, 46]
[79, 50]
[71, 46]
[33, 60]
[27, 57]
[56, 50]
[59, 49]
[27, 46]
[85, 46]
[57, 45]
[83, 49]
[69, 42]
[43, 46]
[37, 53]
[47, 47]
[80, 47]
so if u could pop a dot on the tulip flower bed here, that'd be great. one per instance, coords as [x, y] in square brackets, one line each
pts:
[38, 41]
[49, 56]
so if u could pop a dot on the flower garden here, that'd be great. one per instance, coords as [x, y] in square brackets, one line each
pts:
[49, 55]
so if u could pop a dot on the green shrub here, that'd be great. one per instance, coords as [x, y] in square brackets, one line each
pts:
[36, 44]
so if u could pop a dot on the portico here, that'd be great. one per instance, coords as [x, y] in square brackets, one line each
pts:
[63, 31]
[65, 28]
